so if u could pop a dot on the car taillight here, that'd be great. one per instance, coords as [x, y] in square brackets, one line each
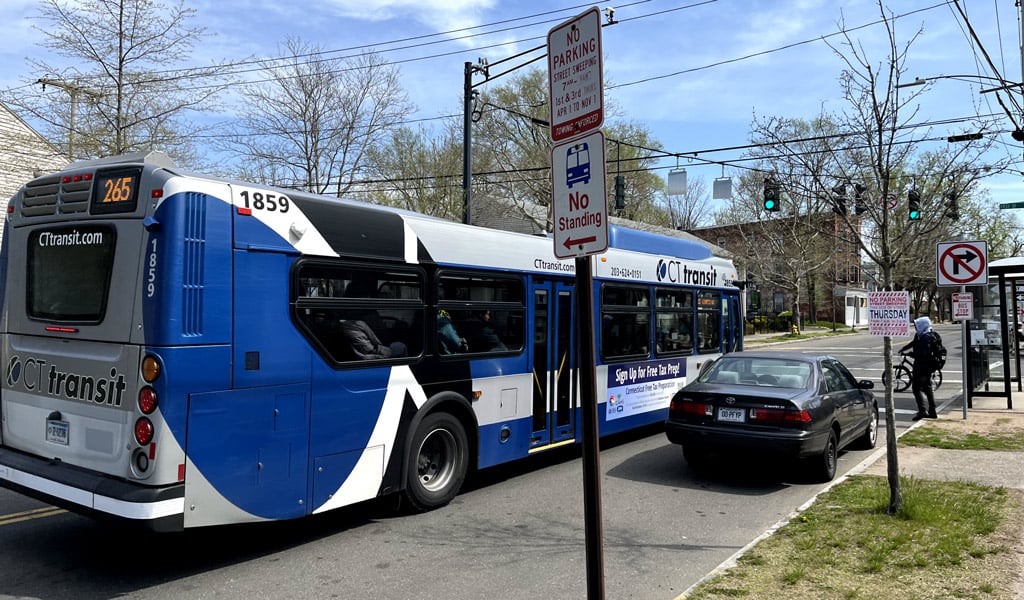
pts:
[767, 415]
[143, 431]
[687, 406]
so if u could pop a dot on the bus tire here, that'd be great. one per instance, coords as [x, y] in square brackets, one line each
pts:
[437, 463]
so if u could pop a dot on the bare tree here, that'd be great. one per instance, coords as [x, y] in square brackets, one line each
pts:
[882, 145]
[121, 92]
[312, 124]
[691, 209]
[857, 168]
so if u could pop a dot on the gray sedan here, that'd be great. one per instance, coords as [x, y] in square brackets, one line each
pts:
[776, 403]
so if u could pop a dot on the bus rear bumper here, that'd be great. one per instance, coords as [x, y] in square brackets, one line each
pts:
[91, 494]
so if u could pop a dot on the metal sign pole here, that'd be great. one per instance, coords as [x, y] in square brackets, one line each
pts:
[965, 348]
[591, 451]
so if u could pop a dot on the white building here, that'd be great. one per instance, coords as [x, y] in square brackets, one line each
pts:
[24, 154]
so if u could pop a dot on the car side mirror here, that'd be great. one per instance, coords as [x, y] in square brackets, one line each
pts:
[866, 384]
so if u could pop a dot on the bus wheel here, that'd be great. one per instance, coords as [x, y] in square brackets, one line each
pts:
[438, 461]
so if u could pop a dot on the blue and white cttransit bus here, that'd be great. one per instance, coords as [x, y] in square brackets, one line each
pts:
[185, 351]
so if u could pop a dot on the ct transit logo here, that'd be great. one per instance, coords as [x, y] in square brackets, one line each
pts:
[40, 377]
[13, 371]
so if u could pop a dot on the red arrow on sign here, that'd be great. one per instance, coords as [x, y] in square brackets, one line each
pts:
[569, 243]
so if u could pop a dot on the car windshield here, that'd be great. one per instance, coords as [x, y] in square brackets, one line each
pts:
[763, 371]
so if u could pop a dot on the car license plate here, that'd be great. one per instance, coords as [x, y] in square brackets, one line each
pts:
[57, 432]
[731, 415]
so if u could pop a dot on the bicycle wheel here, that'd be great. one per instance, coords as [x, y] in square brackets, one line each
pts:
[903, 379]
[936, 379]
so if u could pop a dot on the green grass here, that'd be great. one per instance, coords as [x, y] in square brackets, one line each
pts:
[943, 437]
[951, 540]
[945, 543]
[786, 337]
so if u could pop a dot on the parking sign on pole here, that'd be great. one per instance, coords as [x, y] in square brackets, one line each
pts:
[574, 76]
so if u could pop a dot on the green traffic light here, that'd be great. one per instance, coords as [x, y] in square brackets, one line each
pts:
[769, 205]
[915, 215]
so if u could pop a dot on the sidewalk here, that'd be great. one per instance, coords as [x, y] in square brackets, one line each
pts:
[995, 468]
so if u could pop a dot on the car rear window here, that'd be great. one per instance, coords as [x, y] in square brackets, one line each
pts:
[759, 371]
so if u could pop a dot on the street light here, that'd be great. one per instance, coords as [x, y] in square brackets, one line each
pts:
[1017, 133]
[73, 91]
[969, 78]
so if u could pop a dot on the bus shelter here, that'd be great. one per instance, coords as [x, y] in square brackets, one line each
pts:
[993, 356]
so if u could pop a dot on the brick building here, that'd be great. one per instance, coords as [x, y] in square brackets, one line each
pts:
[835, 287]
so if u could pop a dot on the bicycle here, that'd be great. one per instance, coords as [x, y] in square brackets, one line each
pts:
[904, 375]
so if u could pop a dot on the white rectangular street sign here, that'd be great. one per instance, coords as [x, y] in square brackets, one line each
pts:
[963, 306]
[579, 205]
[575, 81]
[889, 313]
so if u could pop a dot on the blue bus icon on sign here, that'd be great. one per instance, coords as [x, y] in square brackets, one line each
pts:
[577, 164]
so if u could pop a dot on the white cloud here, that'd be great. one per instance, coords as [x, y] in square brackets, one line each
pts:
[440, 15]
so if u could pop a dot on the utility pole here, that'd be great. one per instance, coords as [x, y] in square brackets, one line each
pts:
[467, 137]
[73, 91]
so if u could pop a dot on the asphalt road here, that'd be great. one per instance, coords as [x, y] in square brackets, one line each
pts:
[516, 532]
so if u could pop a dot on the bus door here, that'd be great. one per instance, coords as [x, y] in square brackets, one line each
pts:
[554, 363]
[733, 323]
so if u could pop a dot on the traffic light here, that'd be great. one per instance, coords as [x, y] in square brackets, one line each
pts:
[952, 206]
[620, 192]
[771, 194]
[839, 199]
[914, 205]
[859, 205]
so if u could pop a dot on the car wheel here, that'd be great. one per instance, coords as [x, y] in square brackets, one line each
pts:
[697, 458]
[823, 466]
[437, 462]
[870, 437]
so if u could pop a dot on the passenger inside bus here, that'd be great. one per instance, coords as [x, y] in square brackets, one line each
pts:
[361, 328]
[448, 339]
[482, 335]
[364, 343]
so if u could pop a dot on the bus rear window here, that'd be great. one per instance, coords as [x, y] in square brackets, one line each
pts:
[69, 273]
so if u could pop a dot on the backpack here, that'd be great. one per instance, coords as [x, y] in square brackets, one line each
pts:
[937, 352]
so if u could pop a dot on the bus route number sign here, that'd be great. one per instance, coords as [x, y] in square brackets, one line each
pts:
[115, 191]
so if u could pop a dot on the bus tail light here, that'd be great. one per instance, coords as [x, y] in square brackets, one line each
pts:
[150, 368]
[143, 431]
[147, 400]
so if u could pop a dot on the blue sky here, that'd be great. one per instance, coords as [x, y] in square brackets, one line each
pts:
[695, 72]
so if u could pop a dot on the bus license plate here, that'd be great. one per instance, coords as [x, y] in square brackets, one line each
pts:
[731, 415]
[57, 432]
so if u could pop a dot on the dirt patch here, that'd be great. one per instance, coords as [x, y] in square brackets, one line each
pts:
[980, 422]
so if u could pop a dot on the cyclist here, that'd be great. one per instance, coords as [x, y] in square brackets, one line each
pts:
[921, 349]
